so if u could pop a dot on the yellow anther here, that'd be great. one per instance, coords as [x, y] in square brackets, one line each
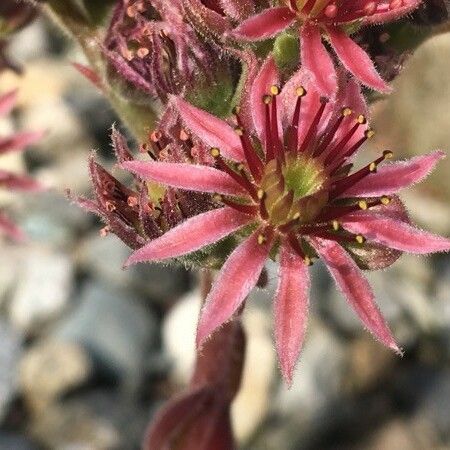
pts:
[363, 204]
[261, 239]
[369, 133]
[346, 111]
[373, 167]
[142, 52]
[267, 99]
[260, 194]
[387, 154]
[360, 239]
[215, 152]
[336, 225]
[240, 167]
[217, 197]
[236, 110]
[307, 260]
[239, 131]
[300, 91]
[296, 216]
[361, 119]
[385, 200]
[274, 90]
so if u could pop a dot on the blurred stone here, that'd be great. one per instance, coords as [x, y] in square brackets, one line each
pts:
[9, 441]
[369, 364]
[104, 257]
[415, 118]
[44, 289]
[398, 434]
[318, 378]
[10, 351]
[253, 401]
[116, 330]
[9, 267]
[50, 369]
[434, 407]
[52, 219]
[74, 427]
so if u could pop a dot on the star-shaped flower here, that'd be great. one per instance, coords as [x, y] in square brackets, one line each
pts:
[286, 187]
[331, 20]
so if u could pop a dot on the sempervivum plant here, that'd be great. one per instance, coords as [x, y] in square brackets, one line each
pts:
[12, 181]
[287, 188]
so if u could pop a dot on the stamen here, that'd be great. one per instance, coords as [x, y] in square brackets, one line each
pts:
[313, 127]
[246, 209]
[334, 153]
[262, 204]
[277, 146]
[292, 132]
[267, 99]
[298, 249]
[254, 163]
[343, 184]
[330, 135]
[335, 225]
[261, 239]
[239, 178]
[360, 239]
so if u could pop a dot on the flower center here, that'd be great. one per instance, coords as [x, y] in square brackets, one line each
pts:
[285, 189]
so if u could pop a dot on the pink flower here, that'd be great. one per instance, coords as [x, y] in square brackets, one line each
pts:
[332, 20]
[15, 143]
[199, 419]
[286, 187]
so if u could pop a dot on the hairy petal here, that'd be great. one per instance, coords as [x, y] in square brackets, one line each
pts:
[390, 178]
[394, 233]
[267, 77]
[211, 130]
[356, 60]
[291, 310]
[191, 235]
[7, 102]
[238, 10]
[389, 15]
[237, 278]
[185, 176]
[10, 228]
[264, 25]
[19, 141]
[355, 288]
[316, 59]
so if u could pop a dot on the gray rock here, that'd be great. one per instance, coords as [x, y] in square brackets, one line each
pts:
[10, 350]
[44, 289]
[50, 369]
[52, 219]
[9, 441]
[115, 328]
[105, 256]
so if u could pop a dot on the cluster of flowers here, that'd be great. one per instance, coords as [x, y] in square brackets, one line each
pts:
[273, 178]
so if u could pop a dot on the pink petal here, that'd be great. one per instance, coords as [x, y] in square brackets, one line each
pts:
[238, 10]
[291, 310]
[191, 177]
[174, 416]
[237, 278]
[89, 74]
[19, 141]
[394, 233]
[191, 235]
[356, 60]
[19, 182]
[11, 229]
[356, 289]
[389, 15]
[390, 178]
[211, 130]
[267, 77]
[265, 25]
[7, 102]
[316, 59]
